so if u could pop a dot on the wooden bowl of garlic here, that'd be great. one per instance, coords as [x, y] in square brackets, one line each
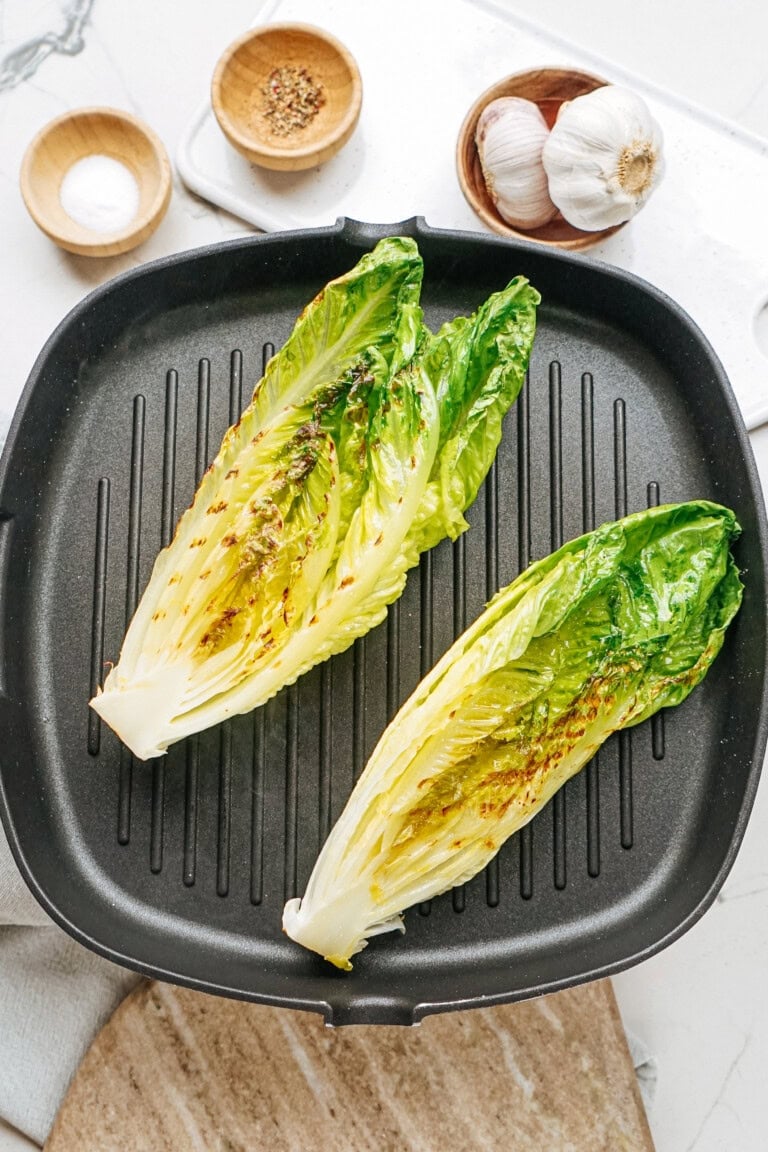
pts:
[558, 156]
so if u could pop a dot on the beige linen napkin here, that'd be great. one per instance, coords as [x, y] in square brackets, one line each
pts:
[11, 1140]
[54, 997]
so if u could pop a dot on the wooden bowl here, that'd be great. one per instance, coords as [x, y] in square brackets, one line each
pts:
[88, 132]
[548, 88]
[240, 102]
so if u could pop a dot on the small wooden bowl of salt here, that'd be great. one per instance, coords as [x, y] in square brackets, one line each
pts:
[97, 181]
[287, 96]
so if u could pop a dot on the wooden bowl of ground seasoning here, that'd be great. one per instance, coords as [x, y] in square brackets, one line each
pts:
[287, 96]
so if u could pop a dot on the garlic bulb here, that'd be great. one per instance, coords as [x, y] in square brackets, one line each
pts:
[603, 158]
[509, 137]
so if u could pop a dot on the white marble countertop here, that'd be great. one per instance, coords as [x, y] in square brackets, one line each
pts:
[701, 1006]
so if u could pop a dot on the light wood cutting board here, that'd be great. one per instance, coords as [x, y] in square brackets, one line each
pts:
[179, 1070]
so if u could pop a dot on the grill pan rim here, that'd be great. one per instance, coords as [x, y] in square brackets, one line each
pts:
[354, 1005]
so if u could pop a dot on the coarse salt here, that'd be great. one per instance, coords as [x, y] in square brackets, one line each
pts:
[100, 193]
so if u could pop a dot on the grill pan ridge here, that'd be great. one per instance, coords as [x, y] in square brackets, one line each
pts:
[180, 867]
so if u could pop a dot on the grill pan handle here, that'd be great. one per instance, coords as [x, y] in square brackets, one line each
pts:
[363, 234]
[361, 1009]
[6, 533]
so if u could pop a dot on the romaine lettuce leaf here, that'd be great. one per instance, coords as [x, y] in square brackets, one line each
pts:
[475, 367]
[320, 499]
[596, 637]
[478, 364]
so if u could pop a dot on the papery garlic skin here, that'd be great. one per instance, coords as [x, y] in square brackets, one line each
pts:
[510, 136]
[603, 158]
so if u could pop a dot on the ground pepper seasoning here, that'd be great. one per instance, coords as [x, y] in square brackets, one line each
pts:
[291, 99]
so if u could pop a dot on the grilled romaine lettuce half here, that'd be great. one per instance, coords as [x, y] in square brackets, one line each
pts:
[321, 498]
[598, 636]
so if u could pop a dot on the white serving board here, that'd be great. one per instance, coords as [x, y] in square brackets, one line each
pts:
[700, 238]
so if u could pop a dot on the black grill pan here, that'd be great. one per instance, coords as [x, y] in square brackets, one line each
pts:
[180, 867]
